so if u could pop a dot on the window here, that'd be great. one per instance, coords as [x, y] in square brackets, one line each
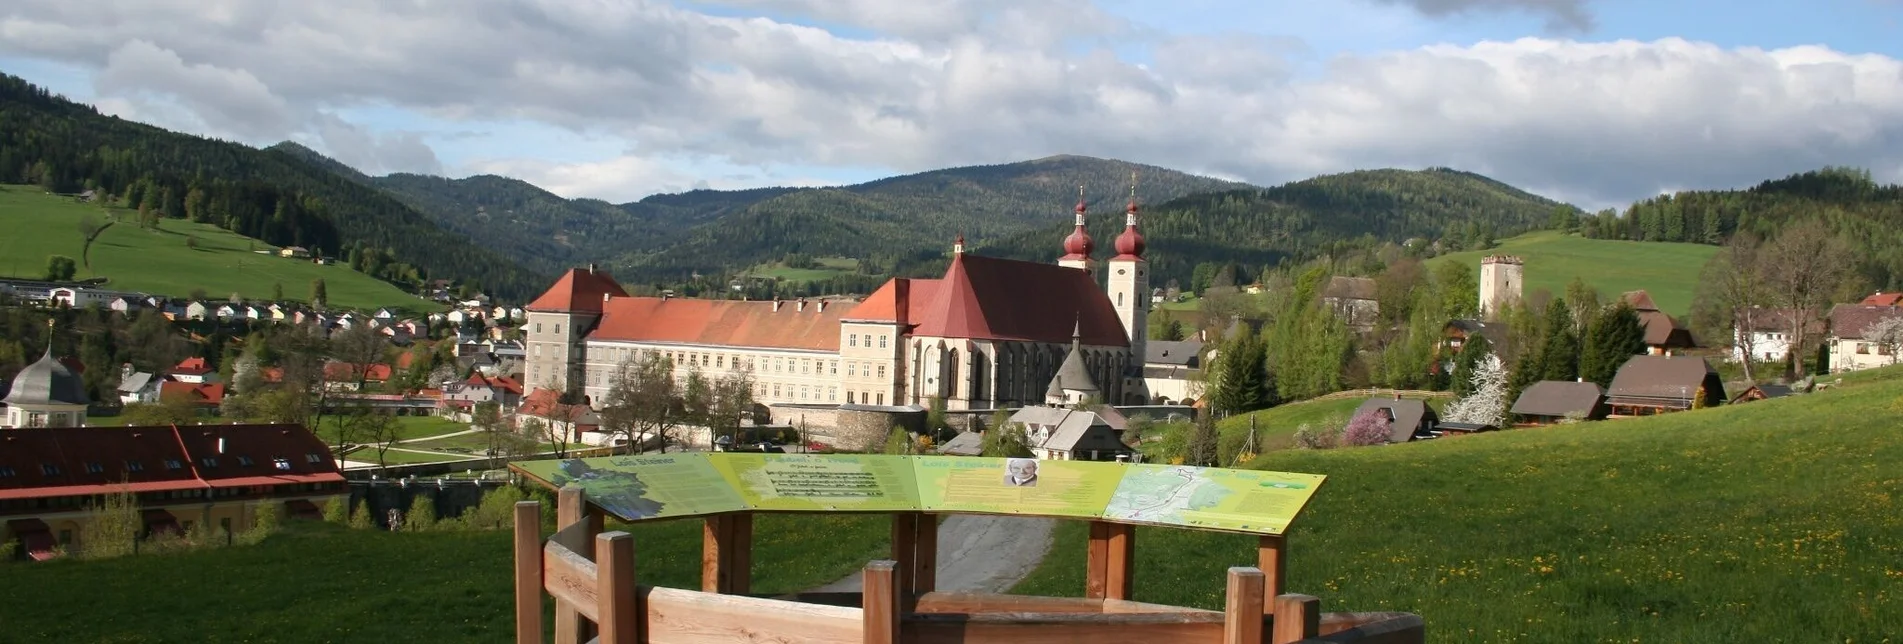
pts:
[832, 367]
[832, 394]
[282, 464]
[852, 340]
[776, 390]
[802, 392]
[174, 464]
[882, 375]
[245, 461]
[806, 366]
[209, 461]
[848, 397]
[49, 469]
[882, 342]
[881, 397]
[558, 329]
[95, 468]
[538, 327]
[779, 364]
[6, 472]
[852, 369]
[720, 361]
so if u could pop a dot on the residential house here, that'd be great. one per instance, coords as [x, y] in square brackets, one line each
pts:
[1655, 384]
[1170, 369]
[458, 316]
[208, 395]
[193, 370]
[279, 312]
[478, 388]
[1353, 298]
[197, 311]
[227, 311]
[222, 475]
[576, 421]
[126, 305]
[1769, 333]
[1550, 401]
[1853, 343]
[80, 297]
[1064, 434]
[137, 387]
[254, 313]
[384, 316]
[343, 376]
[1762, 392]
[299, 252]
[1664, 334]
[1458, 333]
[1409, 419]
[1881, 298]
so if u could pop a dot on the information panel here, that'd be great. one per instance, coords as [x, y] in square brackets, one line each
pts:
[821, 481]
[1015, 485]
[648, 486]
[1214, 498]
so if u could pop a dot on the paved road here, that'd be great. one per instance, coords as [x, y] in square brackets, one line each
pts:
[979, 553]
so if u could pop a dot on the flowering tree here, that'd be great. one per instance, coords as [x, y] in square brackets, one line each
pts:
[1371, 427]
[1487, 405]
[1887, 333]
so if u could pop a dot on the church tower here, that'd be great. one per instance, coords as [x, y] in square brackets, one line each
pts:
[1078, 246]
[1129, 290]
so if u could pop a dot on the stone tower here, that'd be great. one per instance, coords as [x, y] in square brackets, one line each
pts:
[1078, 246]
[1501, 282]
[1129, 289]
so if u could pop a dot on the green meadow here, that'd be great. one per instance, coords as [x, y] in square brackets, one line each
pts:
[161, 262]
[1668, 271]
[324, 583]
[829, 267]
[1772, 521]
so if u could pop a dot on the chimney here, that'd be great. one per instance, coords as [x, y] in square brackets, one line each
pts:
[902, 301]
[801, 306]
[822, 306]
[591, 268]
[776, 305]
[604, 298]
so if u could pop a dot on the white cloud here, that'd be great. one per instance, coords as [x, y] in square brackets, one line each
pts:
[979, 81]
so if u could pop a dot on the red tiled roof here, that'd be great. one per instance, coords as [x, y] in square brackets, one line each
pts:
[1854, 320]
[988, 298]
[543, 403]
[882, 305]
[192, 367]
[733, 323]
[580, 289]
[503, 383]
[346, 372]
[209, 394]
[136, 457]
[1883, 299]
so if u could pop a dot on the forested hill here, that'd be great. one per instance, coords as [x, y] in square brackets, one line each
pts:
[1260, 227]
[1866, 215]
[280, 198]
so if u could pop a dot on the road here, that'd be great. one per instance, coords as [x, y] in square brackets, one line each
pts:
[979, 553]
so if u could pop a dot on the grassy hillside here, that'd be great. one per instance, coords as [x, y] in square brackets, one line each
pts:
[1770, 521]
[1666, 270]
[325, 584]
[160, 262]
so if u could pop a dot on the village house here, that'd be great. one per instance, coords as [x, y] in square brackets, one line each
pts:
[212, 475]
[1664, 334]
[1852, 342]
[1170, 370]
[1408, 419]
[1353, 299]
[297, 252]
[207, 395]
[1656, 384]
[1551, 401]
[478, 388]
[1769, 334]
[137, 386]
[1064, 434]
[79, 297]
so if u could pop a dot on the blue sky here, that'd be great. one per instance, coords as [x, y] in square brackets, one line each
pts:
[618, 100]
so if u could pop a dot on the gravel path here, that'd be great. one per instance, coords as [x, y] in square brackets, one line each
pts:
[978, 553]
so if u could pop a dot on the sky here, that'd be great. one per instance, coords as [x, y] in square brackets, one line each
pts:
[1594, 102]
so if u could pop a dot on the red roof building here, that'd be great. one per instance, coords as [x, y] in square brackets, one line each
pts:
[1883, 299]
[216, 475]
[989, 332]
[201, 394]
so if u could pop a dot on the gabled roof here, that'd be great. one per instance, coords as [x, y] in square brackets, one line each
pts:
[733, 323]
[1408, 415]
[1168, 352]
[498, 383]
[192, 367]
[964, 444]
[546, 403]
[1883, 299]
[986, 298]
[1559, 398]
[137, 457]
[197, 394]
[1082, 432]
[1639, 300]
[580, 289]
[1349, 288]
[1855, 320]
[1494, 332]
[346, 372]
[1663, 330]
[1661, 377]
[134, 383]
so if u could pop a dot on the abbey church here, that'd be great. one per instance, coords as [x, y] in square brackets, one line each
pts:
[990, 333]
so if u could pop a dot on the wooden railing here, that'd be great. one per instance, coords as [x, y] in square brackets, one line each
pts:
[592, 576]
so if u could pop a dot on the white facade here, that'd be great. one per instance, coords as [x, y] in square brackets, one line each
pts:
[1765, 345]
[1852, 354]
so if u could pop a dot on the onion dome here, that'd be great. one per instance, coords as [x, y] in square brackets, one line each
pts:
[1130, 242]
[47, 382]
[1079, 245]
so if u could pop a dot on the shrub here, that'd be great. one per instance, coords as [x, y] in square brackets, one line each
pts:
[497, 509]
[422, 514]
[1371, 427]
[337, 510]
[360, 518]
[268, 519]
[1310, 437]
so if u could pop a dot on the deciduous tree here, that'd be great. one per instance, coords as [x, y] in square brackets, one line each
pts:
[1803, 266]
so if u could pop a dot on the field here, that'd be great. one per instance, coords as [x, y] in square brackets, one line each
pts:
[322, 583]
[829, 267]
[1669, 272]
[1769, 521]
[159, 262]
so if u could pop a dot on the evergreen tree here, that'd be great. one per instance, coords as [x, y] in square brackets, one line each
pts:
[1476, 348]
[1559, 360]
[1201, 450]
[1616, 336]
[319, 294]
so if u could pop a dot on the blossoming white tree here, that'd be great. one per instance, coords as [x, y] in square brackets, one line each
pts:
[1887, 333]
[1487, 405]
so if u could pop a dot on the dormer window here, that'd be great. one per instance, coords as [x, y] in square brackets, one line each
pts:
[313, 459]
[6, 471]
[245, 461]
[135, 466]
[282, 464]
[174, 464]
[49, 469]
[209, 462]
[95, 468]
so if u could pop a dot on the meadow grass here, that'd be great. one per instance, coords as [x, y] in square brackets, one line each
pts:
[1771, 521]
[322, 583]
[1276, 425]
[410, 427]
[38, 225]
[1667, 271]
[829, 267]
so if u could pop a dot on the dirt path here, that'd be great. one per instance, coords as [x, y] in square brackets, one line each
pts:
[979, 553]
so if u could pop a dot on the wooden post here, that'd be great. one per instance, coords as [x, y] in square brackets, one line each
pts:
[1297, 617]
[1120, 561]
[905, 548]
[880, 599]
[571, 507]
[739, 553]
[528, 572]
[1271, 554]
[714, 537]
[1096, 560]
[927, 576]
[1242, 617]
[621, 611]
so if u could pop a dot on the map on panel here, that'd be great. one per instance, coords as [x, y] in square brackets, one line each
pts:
[1211, 498]
[649, 486]
[1015, 485]
[821, 481]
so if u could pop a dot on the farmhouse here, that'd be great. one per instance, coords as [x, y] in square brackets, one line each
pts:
[1550, 401]
[1408, 419]
[214, 475]
[1853, 343]
[1769, 334]
[1653, 384]
[1059, 433]
[1663, 333]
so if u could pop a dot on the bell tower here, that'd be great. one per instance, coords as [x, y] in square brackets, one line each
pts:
[1129, 290]
[1078, 246]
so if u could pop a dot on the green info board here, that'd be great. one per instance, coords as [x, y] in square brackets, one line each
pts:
[658, 486]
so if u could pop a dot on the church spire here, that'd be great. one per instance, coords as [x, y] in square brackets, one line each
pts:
[1078, 246]
[1130, 244]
